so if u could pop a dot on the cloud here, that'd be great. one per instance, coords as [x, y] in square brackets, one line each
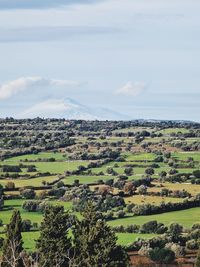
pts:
[14, 87]
[58, 33]
[132, 89]
[40, 4]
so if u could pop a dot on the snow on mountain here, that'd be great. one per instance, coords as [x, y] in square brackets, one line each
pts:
[69, 109]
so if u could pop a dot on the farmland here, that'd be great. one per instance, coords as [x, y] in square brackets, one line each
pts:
[148, 172]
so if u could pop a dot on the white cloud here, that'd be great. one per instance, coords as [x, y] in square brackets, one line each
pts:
[14, 87]
[132, 89]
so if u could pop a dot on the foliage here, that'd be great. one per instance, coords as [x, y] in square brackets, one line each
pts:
[13, 244]
[162, 255]
[54, 244]
[95, 242]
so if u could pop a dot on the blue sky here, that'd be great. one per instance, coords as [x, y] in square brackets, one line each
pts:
[136, 57]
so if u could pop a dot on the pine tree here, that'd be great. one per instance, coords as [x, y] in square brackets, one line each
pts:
[13, 245]
[95, 242]
[54, 244]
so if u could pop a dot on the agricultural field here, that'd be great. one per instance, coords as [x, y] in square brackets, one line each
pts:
[133, 174]
[187, 218]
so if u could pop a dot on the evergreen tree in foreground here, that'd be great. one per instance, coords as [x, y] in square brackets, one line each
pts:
[13, 244]
[95, 242]
[54, 244]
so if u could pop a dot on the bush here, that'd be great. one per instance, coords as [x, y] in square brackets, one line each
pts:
[162, 255]
[10, 185]
[121, 214]
[192, 244]
[28, 193]
[176, 248]
[26, 225]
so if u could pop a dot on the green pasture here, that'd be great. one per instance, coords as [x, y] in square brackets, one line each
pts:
[53, 167]
[134, 129]
[42, 155]
[169, 131]
[128, 238]
[193, 189]
[154, 200]
[85, 179]
[139, 156]
[29, 182]
[185, 217]
[10, 205]
[186, 155]
[30, 238]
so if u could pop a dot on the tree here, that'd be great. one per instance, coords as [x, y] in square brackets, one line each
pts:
[28, 193]
[129, 188]
[13, 245]
[128, 171]
[149, 171]
[10, 185]
[175, 231]
[54, 244]
[142, 189]
[95, 242]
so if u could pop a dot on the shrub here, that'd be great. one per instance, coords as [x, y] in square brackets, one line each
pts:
[176, 248]
[162, 255]
[26, 225]
[28, 193]
[192, 244]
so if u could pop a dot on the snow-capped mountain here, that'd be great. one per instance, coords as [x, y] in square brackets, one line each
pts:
[70, 109]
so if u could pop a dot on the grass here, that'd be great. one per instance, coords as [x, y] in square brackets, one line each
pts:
[52, 167]
[30, 238]
[127, 238]
[133, 129]
[184, 217]
[173, 130]
[186, 155]
[29, 182]
[37, 217]
[59, 167]
[155, 200]
[193, 189]
[139, 156]
[42, 155]
[84, 179]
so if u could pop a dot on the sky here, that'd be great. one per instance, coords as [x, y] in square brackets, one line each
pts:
[139, 58]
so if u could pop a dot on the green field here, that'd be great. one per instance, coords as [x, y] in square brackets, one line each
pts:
[42, 155]
[139, 156]
[184, 217]
[29, 182]
[126, 238]
[30, 238]
[173, 130]
[84, 179]
[6, 213]
[186, 155]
